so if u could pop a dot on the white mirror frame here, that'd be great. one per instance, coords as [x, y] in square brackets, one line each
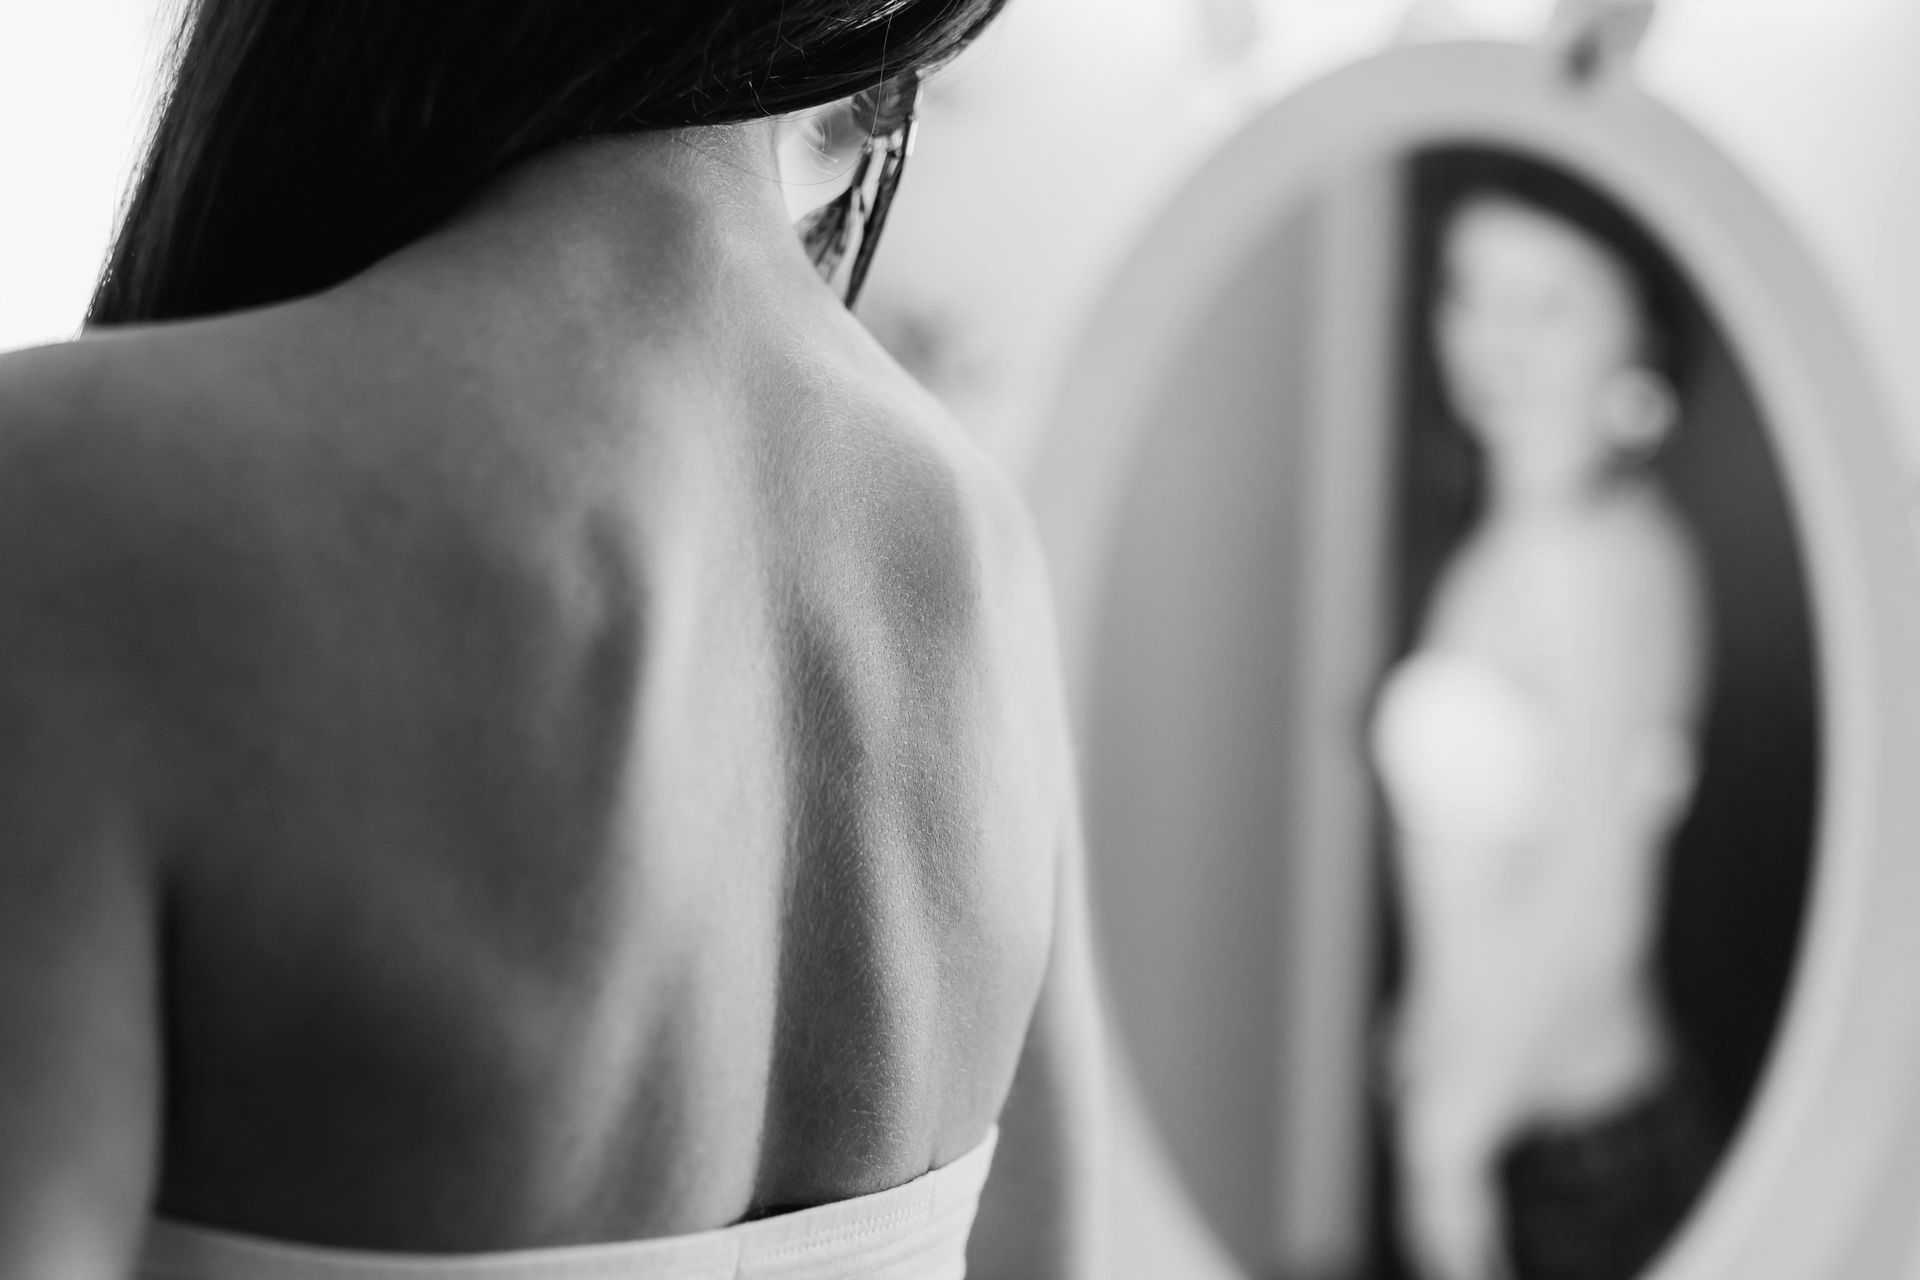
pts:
[1823, 1179]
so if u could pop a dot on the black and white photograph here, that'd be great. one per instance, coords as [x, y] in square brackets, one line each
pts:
[918, 639]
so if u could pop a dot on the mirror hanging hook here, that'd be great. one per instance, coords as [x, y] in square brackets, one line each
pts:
[1591, 40]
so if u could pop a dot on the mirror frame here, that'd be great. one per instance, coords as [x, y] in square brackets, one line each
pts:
[1824, 1172]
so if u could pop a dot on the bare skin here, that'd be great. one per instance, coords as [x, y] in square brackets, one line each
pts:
[554, 740]
[1530, 995]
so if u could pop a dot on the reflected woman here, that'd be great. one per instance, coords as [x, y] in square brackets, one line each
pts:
[527, 743]
[1537, 750]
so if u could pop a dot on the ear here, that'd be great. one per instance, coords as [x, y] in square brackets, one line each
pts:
[1640, 410]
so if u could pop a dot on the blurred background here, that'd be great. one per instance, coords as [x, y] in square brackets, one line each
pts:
[1248, 911]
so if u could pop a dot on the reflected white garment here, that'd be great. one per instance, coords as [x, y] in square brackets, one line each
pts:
[1464, 751]
[1461, 751]
[915, 1231]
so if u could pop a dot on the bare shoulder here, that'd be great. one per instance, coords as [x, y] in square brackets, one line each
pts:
[1010, 541]
[79, 788]
[1630, 602]
[84, 528]
[150, 513]
[999, 509]
[885, 448]
[82, 475]
[54, 401]
[1631, 550]
[997, 539]
[146, 410]
[111, 445]
[1644, 564]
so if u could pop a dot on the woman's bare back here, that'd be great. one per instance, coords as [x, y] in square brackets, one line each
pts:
[590, 806]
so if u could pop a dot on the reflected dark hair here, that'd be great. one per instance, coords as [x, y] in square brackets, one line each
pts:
[300, 141]
[1456, 177]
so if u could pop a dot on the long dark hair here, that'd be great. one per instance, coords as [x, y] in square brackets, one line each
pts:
[301, 141]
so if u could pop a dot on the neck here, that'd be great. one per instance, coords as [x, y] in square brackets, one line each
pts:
[1533, 487]
[629, 226]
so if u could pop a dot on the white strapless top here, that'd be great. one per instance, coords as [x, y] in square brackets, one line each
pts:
[1464, 753]
[1461, 751]
[915, 1231]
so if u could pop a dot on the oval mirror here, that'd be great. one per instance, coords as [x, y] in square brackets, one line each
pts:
[1457, 424]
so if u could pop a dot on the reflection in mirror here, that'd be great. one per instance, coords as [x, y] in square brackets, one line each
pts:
[1309, 545]
[1594, 749]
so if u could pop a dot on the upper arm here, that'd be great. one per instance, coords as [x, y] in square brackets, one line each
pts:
[1621, 689]
[1041, 1214]
[1075, 1153]
[1625, 663]
[79, 1059]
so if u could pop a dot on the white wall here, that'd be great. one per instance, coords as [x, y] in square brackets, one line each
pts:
[1041, 155]
[74, 80]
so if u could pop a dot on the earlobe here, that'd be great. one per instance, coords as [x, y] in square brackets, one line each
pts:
[1641, 410]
